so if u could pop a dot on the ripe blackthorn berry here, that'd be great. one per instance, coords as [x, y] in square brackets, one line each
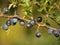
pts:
[21, 22]
[56, 33]
[5, 27]
[39, 19]
[5, 10]
[58, 30]
[8, 22]
[50, 31]
[38, 34]
[13, 21]
[28, 25]
[32, 22]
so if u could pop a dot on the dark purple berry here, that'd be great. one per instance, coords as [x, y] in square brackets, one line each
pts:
[21, 22]
[38, 34]
[14, 21]
[39, 19]
[28, 25]
[32, 22]
[8, 22]
[56, 33]
[58, 30]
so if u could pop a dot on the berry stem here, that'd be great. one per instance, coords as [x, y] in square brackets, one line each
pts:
[50, 27]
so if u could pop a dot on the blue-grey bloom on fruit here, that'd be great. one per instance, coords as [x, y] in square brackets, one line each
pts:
[32, 22]
[50, 31]
[21, 22]
[14, 21]
[5, 10]
[5, 27]
[28, 25]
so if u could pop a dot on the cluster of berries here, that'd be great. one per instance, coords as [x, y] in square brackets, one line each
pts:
[31, 23]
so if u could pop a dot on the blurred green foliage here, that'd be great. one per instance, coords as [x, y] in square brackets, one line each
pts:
[19, 35]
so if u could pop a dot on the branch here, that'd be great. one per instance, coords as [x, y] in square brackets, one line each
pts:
[38, 24]
[57, 6]
[47, 15]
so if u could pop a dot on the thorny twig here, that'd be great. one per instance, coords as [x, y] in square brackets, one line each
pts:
[38, 24]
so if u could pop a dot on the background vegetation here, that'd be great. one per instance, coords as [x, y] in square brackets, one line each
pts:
[19, 35]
